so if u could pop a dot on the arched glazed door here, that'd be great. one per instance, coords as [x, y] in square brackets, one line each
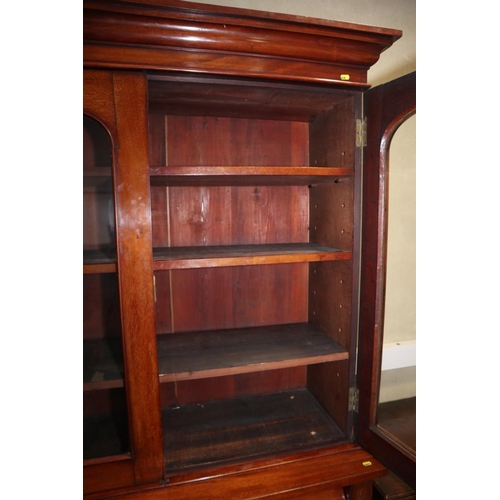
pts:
[387, 107]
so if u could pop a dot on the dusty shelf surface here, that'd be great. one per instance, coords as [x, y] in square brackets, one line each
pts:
[256, 426]
[192, 355]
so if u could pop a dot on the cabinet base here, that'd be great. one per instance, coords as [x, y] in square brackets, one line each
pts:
[304, 475]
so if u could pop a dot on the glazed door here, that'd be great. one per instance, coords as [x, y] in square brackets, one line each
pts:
[121, 424]
[386, 108]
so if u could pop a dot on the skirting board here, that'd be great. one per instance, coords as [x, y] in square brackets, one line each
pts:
[399, 355]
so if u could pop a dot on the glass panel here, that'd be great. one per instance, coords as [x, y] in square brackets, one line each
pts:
[397, 397]
[105, 428]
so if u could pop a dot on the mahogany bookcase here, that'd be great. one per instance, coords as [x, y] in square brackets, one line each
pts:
[221, 266]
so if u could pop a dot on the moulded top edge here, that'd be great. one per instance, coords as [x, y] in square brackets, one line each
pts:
[244, 15]
[226, 32]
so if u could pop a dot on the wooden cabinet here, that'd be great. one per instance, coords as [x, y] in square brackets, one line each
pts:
[222, 195]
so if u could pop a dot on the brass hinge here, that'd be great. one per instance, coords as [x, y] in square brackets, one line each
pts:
[361, 133]
[154, 287]
[353, 399]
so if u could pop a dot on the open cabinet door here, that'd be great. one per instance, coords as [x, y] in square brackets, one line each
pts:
[386, 108]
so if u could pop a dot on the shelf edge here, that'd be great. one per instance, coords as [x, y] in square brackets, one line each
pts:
[238, 370]
[194, 263]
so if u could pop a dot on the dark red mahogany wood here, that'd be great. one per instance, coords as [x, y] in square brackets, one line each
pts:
[387, 107]
[232, 130]
[180, 36]
[118, 101]
[300, 476]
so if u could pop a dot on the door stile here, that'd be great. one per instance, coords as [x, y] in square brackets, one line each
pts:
[135, 266]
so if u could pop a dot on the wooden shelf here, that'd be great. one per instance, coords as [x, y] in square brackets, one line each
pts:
[243, 255]
[102, 364]
[195, 355]
[99, 261]
[235, 429]
[97, 177]
[245, 175]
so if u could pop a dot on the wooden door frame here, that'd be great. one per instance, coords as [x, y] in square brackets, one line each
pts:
[118, 100]
[386, 108]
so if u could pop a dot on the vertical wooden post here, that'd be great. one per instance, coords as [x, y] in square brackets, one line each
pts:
[135, 267]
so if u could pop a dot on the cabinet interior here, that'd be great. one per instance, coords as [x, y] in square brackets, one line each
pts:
[253, 242]
[252, 205]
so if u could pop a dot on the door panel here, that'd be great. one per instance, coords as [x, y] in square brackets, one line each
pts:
[386, 108]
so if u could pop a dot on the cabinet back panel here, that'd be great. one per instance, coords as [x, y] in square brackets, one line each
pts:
[207, 141]
[247, 384]
[163, 305]
[236, 215]
[238, 297]
[228, 215]
[159, 216]
[156, 139]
